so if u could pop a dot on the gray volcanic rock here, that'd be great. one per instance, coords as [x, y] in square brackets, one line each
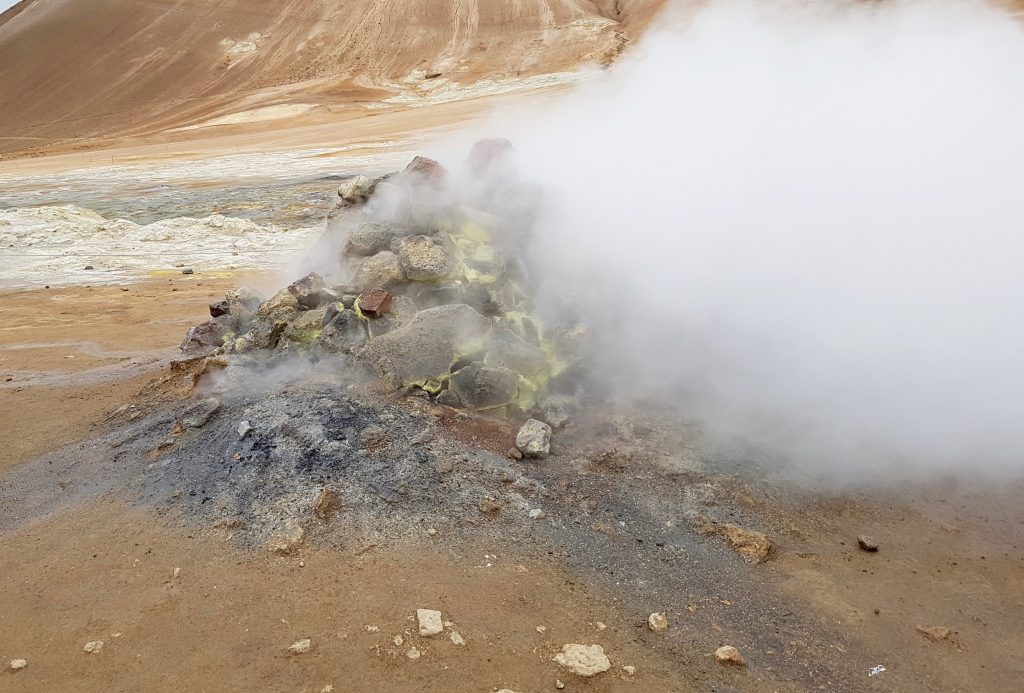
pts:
[373, 237]
[378, 272]
[485, 387]
[344, 334]
[508, 350]
[426, 347]
[272, 318]
[424, 258]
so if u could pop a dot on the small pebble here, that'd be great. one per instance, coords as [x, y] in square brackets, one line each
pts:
[867, 543]
[93, 646]
[300, 646]
[17, 664]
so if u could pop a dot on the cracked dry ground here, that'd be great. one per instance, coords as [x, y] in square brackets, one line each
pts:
[98, 510]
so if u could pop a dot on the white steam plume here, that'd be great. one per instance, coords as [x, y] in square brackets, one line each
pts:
[807, 223]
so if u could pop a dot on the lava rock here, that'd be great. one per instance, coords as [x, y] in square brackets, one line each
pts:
[373, 237]
[425, 171]
[308, 291]
[425, 347]
[583, 660]
[204, 339]
[484, 387]
[378, 271]
[357, 189]
[304, 330]
[199, 413]
[272, 318]
[508, 350]
[448, 399]
[534, 439]
[375, 303]
[344, 334]
[424, 258]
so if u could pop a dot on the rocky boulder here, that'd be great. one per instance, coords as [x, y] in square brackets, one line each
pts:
[343, 334]
[424, 258]
[379, 271]
[308, 291]
[271, 320]
[534, 439]
[426, 347]
[484, 387]
[373, 237]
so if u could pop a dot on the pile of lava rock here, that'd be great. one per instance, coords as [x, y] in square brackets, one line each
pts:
[426, 287]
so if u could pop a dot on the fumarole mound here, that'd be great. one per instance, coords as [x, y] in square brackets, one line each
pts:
[426, 287]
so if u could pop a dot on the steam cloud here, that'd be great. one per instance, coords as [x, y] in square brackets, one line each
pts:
[805, 224]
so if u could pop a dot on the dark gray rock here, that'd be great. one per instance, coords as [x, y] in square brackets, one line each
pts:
[479, 386]
[373, 237]
[508, 350]
[427, 345]
[308, 291]
[344, 334]
[199, 413]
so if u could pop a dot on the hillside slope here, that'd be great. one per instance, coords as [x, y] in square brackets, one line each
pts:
[82, 69]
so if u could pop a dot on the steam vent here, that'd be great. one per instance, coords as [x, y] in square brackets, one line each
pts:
[425, 288]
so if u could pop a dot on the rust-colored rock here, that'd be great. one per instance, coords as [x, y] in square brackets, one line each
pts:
[422, 169]
[375, 303]
[327, 505]
[753, 546]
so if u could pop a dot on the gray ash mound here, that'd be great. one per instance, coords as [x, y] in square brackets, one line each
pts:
[296, 451]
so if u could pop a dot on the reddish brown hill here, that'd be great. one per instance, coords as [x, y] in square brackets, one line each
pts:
[73, 69]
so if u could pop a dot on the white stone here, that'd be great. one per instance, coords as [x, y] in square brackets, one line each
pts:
[17, 664]
[430, 622]
[629, 669]
[583, 660]
[537, 514]
[398, 640]
[93, 646]
[300, 646]
[542, 629]
[658, 622]
[413, 654]
[456, 638]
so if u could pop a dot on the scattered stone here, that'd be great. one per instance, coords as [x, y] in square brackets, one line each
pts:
[556, 413]
[176, 573]
[430, 622]
[867, 543]
[629, 669]
[753, 546]
[488, 506]
[199, 413]
[424, 258]
[413, 654]
[243, 429]
[658, 622]
[514, 454]
[89, 267]
[308, 291]
[729, 655]
[300, 646]
[537, 514]
[327, 505]
[287, 540]
[456, 638]
[583, 660]
[93, 646]
[188, 270]
[398, 640]
[375, 303]
[542, 629]
[327, 689]
[534, 439]
[484, 387]
[18, 664]
[939, 634]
